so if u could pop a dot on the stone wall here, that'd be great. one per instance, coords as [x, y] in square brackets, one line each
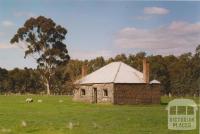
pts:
[89, 90]
[120, 93]
[136, 93]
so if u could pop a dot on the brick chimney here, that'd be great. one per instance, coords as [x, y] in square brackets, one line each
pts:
[146, 70]
[84, 70]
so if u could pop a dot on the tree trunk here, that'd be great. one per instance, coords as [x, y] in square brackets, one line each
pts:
[48, 87]
[48, 90]
[46, 75]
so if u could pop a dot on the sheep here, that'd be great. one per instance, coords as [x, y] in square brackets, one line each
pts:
[29, 100]
[23, 124]
[4, 130]
[61, 101]
[71, 125]
[39, 101]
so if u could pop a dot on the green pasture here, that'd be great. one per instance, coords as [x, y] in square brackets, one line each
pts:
[60, 115]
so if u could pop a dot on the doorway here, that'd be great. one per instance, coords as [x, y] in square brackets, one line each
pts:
[95, 95]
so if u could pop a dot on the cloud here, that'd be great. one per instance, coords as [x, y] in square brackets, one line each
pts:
[150, 12]
[175, 38]
[24, 14]
[7, 23]
[89, 54]
[6, 46]
[156, 10]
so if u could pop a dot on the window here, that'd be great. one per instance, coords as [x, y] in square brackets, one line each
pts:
[105, 92]
[82, 92]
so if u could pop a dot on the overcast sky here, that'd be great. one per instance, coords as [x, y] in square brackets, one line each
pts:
[105, 28]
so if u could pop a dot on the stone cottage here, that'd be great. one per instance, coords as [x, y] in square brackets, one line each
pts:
[117, 83]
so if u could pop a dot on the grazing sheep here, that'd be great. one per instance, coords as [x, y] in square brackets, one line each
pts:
[39, 101]
[29, 100]
[70, 126]
[23, 124]
[60, 101]
[4, 130]
[94, 125]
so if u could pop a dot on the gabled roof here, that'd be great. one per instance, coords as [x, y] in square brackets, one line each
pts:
[115, 72]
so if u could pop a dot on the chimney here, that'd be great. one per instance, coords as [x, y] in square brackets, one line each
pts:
[146, 70]
[84, 70]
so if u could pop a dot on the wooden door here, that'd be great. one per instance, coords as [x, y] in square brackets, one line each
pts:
[95, 95]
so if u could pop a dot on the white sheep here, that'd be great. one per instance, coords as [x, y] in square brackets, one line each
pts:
[23, 124]
[39, 101]
[61, 101]
[29, 100]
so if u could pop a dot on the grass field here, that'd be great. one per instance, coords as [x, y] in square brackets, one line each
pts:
[54, 117]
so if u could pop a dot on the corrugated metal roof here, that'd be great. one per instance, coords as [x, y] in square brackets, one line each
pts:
[115, 72]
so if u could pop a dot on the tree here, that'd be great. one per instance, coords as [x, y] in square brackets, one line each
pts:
[95, 64]
[74, 69]
[43, 40]
[121, 57]
[3, 78]
[198, 50]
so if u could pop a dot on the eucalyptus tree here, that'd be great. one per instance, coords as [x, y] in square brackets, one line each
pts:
[43, 39]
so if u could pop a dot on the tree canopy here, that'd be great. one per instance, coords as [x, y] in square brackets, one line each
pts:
[179, 75]
[43, 40]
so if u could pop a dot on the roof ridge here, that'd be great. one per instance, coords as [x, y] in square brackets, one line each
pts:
[142, 79]
[117, 71]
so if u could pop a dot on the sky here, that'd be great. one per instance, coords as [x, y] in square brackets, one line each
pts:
[104, 28]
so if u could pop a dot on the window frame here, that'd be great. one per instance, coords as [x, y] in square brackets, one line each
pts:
[105, 92]
[83, 92]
